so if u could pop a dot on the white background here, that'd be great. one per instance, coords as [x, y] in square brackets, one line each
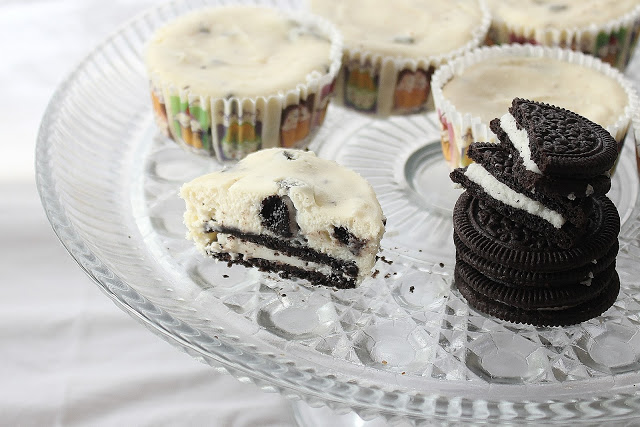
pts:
[68, 355]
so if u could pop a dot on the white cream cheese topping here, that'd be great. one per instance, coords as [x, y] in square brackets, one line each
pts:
[236, 50]
[413, 28]
[509, 197]
[559, 14]
[486, 89]
[520, 141]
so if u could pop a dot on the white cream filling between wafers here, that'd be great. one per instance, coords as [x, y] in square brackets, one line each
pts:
[520, 141]
[509, 197]
[235, 245]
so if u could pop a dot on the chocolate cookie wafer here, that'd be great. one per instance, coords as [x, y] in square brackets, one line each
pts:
[500, 163]
[491, 177]
[572, 188]
[563, 143]
[535, 297]
[563, 316]
[498, 238]
[500, 273]
[568, 153]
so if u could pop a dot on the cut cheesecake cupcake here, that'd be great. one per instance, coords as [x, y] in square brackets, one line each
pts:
[289, 212]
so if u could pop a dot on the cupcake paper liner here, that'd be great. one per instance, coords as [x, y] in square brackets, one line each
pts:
[459, 130]
[231, 127]
[613, 41]
[382, 85]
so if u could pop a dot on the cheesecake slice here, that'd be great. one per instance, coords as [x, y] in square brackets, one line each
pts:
[290, 212]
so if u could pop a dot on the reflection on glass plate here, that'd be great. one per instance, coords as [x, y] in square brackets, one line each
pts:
[404, 344]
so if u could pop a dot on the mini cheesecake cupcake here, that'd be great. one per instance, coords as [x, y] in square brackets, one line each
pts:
[606, 29]
[392, 48]
[473, 89]
[228, 81]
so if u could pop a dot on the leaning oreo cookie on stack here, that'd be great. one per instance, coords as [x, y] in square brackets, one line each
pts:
[536, 237]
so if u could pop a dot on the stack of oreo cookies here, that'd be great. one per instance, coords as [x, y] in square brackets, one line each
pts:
[536, 238]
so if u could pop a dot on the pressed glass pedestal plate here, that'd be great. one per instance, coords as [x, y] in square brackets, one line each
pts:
[403, 346]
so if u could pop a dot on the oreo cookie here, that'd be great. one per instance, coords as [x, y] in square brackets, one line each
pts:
[491, 177]
[500, 163]
[571, 188]
[563, 143]
[507, 276]
[559, 316]
[538, 297]
[501, 239]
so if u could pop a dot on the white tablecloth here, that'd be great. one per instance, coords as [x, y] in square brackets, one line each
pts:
[68, 355]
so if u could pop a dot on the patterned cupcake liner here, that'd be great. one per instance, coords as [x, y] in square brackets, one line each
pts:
[382, 85]
[459, 130]
[613, 42]
[231, 127]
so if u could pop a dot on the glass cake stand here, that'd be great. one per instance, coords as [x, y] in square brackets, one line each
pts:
[403, 346]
